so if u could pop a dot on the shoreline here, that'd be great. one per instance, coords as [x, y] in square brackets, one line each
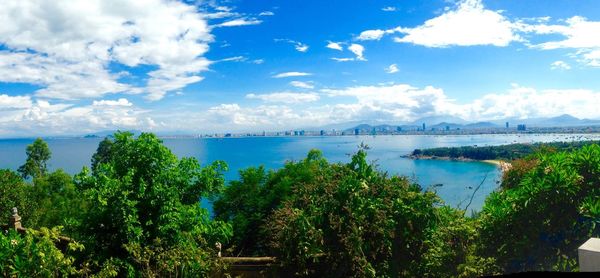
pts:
[501, 164]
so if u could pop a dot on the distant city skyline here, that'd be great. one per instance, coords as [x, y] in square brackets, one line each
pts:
[72, 68]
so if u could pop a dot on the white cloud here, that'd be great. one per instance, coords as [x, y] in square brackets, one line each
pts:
[258, 61]
[10, 102]
[579, 33]
[358, 50]
[170, 35]
[560, 65]
[371, 35]
[523, 102]
[266, 13]
[393, 68]
[303, 85]
[469, 24]
[466, 25]
[119, 102]
[299, 46]
[334, 45]
[291, 74]
[285, 97]
[239, 22]
[20, 116]
[343, 59]
[389, 9]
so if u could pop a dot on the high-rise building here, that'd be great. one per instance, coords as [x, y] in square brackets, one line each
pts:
[356, 131]
[322, 132]
[506, 124]
[521, 127]
[423, 126]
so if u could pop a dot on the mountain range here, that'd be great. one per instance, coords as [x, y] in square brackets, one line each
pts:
[453, 123]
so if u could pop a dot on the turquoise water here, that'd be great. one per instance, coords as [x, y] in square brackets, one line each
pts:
[457, 179]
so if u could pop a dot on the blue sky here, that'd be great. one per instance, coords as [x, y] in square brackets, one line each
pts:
[69, 68]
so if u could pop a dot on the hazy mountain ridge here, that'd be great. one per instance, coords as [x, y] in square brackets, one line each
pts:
[454, 123]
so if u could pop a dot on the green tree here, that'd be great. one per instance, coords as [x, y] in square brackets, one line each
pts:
[13, 193]
[38, 154]
[55, 202]
[144, 215]
[352, 220]
[103, 153]
[248, 202]
[547, 207]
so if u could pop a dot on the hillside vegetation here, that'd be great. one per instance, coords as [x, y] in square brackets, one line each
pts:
[137, 213]
[502, 152]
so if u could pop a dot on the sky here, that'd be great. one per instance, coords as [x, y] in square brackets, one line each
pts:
[196, 67]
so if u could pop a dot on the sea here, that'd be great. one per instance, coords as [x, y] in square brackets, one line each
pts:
[456, 182]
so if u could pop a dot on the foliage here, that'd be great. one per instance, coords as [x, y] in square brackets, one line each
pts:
[146, 209]
[35, 255]
[248, 203]
[138, 213]
[538, 221]
[505, 152]
[103, 154]
[55, 202]
[13, 193]
[352, 220]
[38, 154]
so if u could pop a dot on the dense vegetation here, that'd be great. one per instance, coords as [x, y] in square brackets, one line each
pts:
[503, 152]
[137, 212]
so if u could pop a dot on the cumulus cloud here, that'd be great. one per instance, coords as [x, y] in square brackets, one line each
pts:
[285, 97]
[291, 74]
[303, 85]
[21, 116]
[53, 44]
[334, 45]
[560, 65]
[371, 35]
[579, 34]
[469, 23]
[389, 9]
[358, 50]
[11, 102]
[119, 102]
[393, 68]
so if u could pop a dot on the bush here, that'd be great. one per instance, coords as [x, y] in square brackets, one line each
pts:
[145, 217]
[538, 221]
[35, 255]
[352, 220]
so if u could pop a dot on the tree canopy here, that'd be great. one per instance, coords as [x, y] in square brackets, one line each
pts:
[38, 154]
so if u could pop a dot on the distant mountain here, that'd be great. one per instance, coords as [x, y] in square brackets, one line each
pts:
[434, 120]
[443, 126]
[453, 123]
[564, 120]
[106, 133]
[480, 125]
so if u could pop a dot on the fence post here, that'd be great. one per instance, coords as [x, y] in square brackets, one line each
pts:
[15, 220]
[589, 255]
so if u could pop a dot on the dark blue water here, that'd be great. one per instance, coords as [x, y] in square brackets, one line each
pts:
[458, 179]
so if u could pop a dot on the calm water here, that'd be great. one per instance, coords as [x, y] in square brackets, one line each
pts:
[458, 179]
